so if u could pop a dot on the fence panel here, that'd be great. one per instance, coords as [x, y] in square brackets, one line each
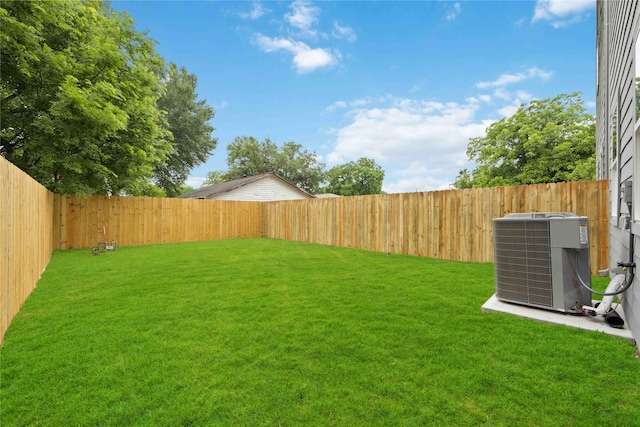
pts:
[82, 222]
[450, 224]
[26, 243]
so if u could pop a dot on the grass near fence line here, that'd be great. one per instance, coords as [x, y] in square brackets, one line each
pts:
[268, 332]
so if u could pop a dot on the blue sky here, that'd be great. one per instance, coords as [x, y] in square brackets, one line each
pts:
[404, 83]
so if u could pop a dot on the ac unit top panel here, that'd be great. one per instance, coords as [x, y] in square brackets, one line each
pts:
[536, 215]
[567, 230]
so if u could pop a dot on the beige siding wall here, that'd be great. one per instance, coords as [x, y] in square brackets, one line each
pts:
[26, 240]
[617, 141]
[269, 188]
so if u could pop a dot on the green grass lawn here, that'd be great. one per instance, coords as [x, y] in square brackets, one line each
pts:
[268, 332]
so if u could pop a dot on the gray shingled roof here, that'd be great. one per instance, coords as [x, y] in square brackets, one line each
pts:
[214, 190]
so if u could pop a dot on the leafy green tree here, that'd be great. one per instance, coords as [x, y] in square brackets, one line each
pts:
[549, 140]
[246, 156]
[214, 177]
[300, 167]
[188, 121]
[79, 92]
[463, 180]
[184, 189]
[149, 189]
[361, 177]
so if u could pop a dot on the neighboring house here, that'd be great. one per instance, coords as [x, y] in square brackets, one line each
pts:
[618, 134]
[262, 188]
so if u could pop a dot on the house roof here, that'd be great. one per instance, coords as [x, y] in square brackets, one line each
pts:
[214, 190]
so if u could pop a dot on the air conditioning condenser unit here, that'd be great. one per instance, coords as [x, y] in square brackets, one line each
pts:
[538, 257]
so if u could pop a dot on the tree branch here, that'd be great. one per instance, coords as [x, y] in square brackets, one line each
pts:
[10, 97]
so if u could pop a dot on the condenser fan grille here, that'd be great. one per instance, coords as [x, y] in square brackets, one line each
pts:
[523, 262]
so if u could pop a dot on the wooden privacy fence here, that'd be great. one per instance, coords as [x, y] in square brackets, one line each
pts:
[453, 224]
[83, 222]
[26, 238]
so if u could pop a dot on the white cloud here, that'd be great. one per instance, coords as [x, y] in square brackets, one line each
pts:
[502, 93]
[567, 22]
[302, 24]
[509, 110]
[507, 79]
[416, 177]
[305, 58]
[454, 11]
[432, 137]
[360, 102]
[256, 12]
[479, 98]
[195, 182]
[561, 13]
[340, 32]
[337, 106]
[304, 18]
[516, 98]
[523, 96]
[422, 144]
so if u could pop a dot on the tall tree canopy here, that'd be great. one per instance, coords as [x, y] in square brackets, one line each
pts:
[549, 140]
[357, 178]
[188, 121]
[79, 89]
[87, 105]
[246, 156]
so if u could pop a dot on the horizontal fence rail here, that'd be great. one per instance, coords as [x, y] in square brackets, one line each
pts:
[452, 224]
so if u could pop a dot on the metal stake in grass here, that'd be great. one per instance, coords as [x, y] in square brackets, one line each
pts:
[103, 246]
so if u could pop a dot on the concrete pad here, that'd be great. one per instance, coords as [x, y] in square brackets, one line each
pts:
[493, 304]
